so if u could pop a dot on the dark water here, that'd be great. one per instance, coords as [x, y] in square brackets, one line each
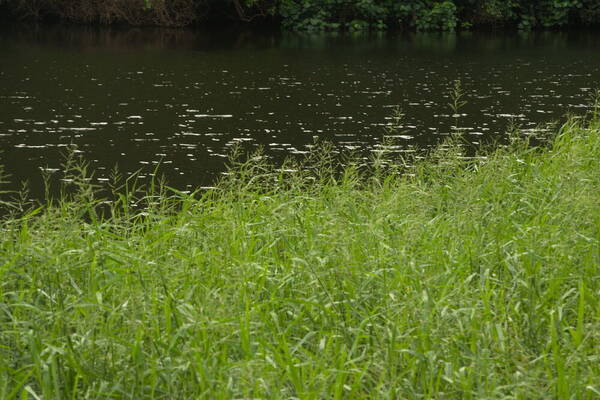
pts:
[134, 98]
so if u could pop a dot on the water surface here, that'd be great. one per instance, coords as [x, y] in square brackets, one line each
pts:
[137, 97]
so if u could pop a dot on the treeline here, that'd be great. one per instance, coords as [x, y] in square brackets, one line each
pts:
[317, 15]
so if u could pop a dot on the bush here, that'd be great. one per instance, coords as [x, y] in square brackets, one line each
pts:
[132, 12]
[442, 16]
[320, 15]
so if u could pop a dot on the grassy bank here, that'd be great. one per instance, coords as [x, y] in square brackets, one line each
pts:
[461, 279]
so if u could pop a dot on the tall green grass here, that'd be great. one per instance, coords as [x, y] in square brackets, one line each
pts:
[458, 277]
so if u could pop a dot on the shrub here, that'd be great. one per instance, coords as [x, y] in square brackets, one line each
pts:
[320, 15]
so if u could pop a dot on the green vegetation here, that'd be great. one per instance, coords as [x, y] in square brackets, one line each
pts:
[318, 15]
[458, 277]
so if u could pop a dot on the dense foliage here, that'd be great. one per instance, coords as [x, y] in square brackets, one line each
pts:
[319, 15]
[463, 279]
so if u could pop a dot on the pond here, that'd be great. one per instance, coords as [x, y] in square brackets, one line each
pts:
[138, 97]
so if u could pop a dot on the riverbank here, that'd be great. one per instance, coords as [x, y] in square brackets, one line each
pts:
[459, 278]
[315, 15]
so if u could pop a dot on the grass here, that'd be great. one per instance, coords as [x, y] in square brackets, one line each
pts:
[467, 278]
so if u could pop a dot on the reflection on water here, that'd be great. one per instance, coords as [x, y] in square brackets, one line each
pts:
[182, 98]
